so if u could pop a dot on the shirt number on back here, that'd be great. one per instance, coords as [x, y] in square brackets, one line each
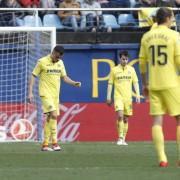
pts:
[160, 50]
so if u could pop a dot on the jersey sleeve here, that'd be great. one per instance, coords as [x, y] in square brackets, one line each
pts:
[63, 70]
[111, 77]
[177, 50]
[37, 69]
[142, 58]
[134, 76]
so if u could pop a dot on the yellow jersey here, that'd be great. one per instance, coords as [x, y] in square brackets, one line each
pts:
[122, 78]
[49, 74]
[160, 51]
[155, 25]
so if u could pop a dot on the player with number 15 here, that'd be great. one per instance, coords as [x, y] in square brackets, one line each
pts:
[160, 51]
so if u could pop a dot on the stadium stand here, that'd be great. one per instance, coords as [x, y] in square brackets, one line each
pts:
[31, 21]
[52, 20]
[123, 23]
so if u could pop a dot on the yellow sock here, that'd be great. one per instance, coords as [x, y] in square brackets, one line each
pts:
[53, 125]
[120, 125]
[178, 142]
[125, 130]
[158, 139]
[47, 133]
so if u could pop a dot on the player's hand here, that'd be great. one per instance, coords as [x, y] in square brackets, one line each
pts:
[30, 98]
[109, 102]
[77, 84]
[138, 99]
[145, 92]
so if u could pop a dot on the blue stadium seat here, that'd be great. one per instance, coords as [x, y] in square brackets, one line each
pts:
[132, 2]
[52, 20]
[19, 22]
[110, 21]
[126, 20]
[31, 21]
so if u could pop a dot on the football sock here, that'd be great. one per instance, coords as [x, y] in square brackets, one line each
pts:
[158, 139]
[53, 126]
[125, 130]
[47, 133]
[178, 141]
[120, 128]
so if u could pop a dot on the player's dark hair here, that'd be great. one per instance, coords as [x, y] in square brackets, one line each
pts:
[123, 53]
[162, 14]
[59, 49]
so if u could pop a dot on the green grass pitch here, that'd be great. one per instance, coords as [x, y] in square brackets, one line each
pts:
[86, 161]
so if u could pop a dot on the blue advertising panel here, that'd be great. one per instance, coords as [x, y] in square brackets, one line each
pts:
[91, 66]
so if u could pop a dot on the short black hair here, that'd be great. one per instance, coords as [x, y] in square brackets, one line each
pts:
[162, 14]
[125, 53]
[59, 49]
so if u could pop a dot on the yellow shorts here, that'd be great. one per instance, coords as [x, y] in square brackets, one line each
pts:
[50, 104]
[125, 106]
[165, 101]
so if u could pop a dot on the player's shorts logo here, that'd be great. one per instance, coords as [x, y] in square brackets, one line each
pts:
[22, 129]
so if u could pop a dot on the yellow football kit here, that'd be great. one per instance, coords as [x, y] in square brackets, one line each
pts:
[160, 51]
[122, 78]
[49, 74]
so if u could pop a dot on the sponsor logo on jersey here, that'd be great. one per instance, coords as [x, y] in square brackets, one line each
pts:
[53, 70]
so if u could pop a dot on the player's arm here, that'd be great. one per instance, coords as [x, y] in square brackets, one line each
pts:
[145, 85]
[145, 88]
[35, 73]
[68, 80]
[143, 69]
[109, 89]
[136, 86]
[177, 60]
[142, 59]
[177, 52]
[109, 92]
[31, 84]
